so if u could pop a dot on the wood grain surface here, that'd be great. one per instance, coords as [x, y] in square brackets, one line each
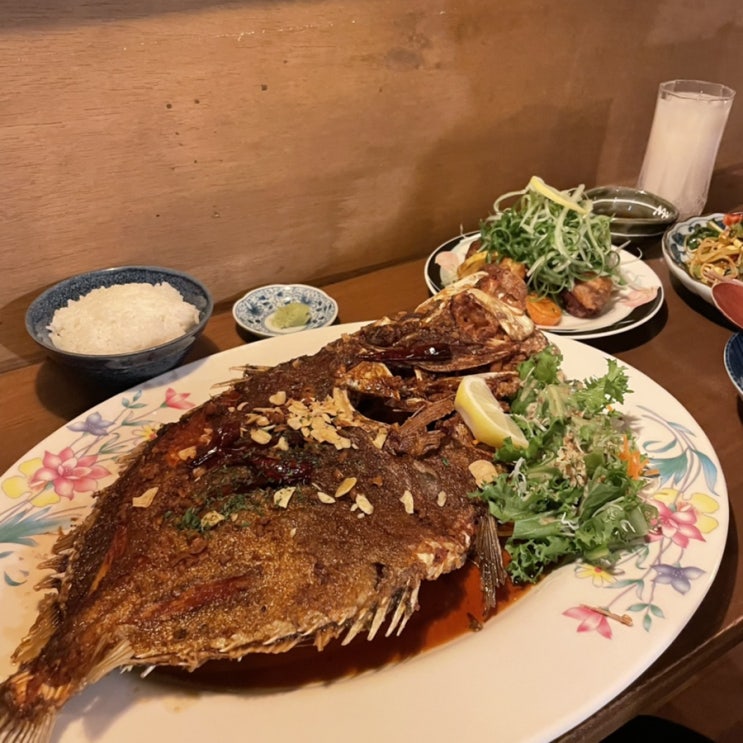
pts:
[304, 140]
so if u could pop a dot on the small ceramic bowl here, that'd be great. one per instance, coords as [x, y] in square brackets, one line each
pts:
[124, 369]
[255, 312]
[635, 215]
[727, 296]
[733, 358]
[676, 256]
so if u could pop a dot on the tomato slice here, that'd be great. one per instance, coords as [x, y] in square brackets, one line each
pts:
[732, 218]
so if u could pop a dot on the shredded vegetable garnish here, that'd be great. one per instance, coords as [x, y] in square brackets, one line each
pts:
[715, 252]
[575, 491]
[554, 234]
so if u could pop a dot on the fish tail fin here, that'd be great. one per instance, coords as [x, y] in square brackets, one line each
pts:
[28, 707]
[17, 729]
[25, 731]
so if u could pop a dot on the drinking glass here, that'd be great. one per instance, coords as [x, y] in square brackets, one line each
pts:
[689, 120]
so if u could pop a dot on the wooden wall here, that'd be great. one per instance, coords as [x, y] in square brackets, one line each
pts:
[299, 140]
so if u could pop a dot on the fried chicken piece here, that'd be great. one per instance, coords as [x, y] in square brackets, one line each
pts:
[588, 298]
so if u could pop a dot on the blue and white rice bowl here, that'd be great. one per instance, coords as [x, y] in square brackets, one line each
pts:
[253, 312]
[118, 370]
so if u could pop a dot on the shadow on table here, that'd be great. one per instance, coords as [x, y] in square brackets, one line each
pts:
[67, 393]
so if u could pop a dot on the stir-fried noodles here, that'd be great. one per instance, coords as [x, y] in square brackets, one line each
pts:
[715, 251]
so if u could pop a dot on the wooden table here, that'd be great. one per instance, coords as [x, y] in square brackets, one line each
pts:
[681, 348]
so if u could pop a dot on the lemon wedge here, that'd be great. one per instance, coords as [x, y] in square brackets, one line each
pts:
[559, 197]
[484, 415]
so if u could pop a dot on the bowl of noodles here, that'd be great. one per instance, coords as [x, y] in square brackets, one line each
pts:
[702, 251]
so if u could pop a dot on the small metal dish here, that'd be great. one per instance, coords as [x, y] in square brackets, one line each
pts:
[254, 311]
[635, 215]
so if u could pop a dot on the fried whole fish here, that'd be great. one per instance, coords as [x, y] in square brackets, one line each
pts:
[306, 502]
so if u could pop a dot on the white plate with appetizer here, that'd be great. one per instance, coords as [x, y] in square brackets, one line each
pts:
[703, 250]
[630, 305]
[547, 662]
[588, 287]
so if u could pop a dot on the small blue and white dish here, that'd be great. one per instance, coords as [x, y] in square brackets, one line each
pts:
[118, 370]
[676, 256]
[733, 358]
[254, 312]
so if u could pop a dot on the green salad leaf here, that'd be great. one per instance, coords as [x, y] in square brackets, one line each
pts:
[709, 229]
[572, 493]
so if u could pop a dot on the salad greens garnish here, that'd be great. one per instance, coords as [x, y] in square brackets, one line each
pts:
[560, 241]
[575, 491]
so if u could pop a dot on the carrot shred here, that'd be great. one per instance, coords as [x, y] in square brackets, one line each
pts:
[636, 462]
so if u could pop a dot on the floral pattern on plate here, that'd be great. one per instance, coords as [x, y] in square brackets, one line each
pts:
[686, 496]
[44, 491]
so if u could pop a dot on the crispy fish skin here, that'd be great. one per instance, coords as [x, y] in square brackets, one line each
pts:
[306, 502]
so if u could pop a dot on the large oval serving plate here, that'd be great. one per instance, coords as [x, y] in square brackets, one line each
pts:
[630, 306]
[534, 671]
[676, 255]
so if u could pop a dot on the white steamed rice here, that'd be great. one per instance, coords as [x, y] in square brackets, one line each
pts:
[122, 319]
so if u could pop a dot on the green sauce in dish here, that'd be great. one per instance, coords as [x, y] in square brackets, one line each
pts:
[292, 315]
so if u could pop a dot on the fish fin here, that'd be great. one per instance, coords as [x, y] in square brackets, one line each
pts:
[17, 730]
[120, 655]
[65, 543]
[28, 717]
[52, 582]
[57, 562]
[490, 560]
[411, 605]
[128, 458]
[42, 630]
[402, 609]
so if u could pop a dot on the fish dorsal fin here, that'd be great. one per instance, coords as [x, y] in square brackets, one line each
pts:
[43, 628]
[125, 460]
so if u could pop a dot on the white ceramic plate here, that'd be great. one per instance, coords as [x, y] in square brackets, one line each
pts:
[536, 670]
[630, 305]
[676, 255]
